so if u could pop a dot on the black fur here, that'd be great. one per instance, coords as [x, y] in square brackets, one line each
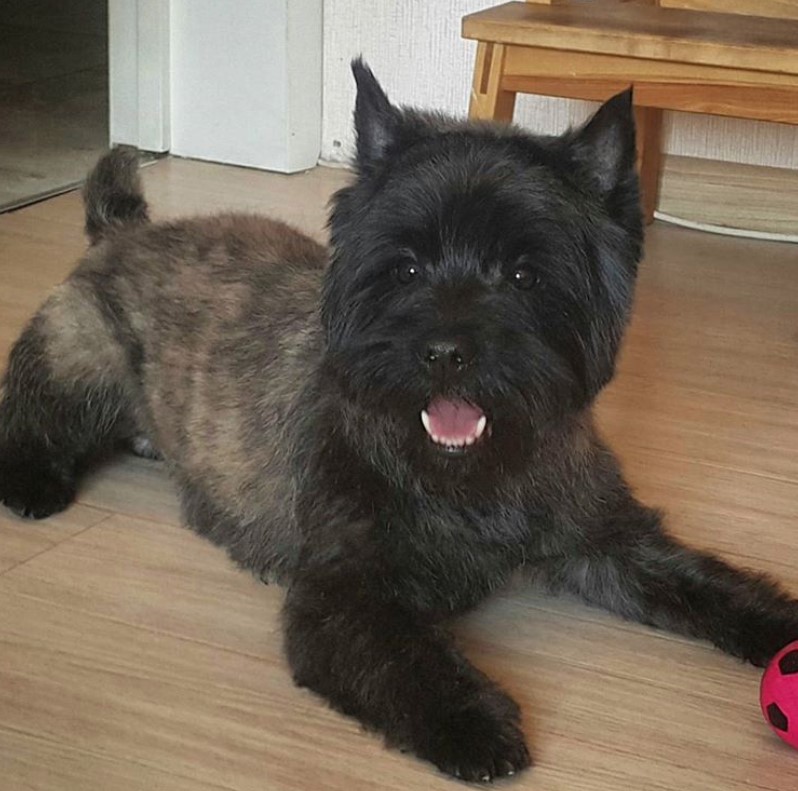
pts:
[469, 262]
[112, 195]
[49, 429]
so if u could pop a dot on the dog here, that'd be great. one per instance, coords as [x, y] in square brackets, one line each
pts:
[389, 428]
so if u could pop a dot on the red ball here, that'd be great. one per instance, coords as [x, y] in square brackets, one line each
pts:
[778, 694]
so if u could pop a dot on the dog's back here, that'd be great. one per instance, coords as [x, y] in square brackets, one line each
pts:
[163, 331]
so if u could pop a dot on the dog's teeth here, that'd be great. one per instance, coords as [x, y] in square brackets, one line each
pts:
[453, 443]
[425, 421]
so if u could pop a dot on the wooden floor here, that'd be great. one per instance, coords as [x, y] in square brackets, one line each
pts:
[133, 655]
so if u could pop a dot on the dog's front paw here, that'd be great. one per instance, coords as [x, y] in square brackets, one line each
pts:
[758, 638]
[482, 742]
[34, 491]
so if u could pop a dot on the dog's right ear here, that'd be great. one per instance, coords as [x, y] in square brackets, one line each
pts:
[376, 119]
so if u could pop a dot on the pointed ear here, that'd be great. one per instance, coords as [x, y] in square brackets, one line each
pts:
[376, 119]
[606, 145]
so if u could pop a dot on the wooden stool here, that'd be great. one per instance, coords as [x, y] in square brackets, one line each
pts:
[676, 56]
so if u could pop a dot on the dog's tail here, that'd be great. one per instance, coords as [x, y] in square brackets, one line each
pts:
[113, 196]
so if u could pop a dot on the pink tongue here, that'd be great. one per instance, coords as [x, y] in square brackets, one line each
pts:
[453, 420]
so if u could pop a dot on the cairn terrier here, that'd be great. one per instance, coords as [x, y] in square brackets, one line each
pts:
[389, 428]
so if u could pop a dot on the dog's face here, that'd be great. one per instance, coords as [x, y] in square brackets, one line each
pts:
[481, 277]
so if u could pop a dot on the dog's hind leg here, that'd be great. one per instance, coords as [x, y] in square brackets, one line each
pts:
[63, 399]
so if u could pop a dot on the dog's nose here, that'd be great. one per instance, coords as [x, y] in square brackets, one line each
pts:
[449, 355]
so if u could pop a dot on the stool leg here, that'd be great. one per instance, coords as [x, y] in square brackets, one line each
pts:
[488, 100]
[649, 157]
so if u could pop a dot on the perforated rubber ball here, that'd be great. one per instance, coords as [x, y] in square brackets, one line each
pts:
[778, 694]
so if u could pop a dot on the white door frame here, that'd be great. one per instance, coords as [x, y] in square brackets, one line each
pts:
[258, 106]
[246, 82]
[138, 43]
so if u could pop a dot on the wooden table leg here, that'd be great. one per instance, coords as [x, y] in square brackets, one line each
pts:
[649, 157]
[488, 100]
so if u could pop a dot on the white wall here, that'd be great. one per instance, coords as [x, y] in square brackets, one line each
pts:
[415, 49]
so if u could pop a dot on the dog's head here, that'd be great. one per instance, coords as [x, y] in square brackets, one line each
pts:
[481, 276]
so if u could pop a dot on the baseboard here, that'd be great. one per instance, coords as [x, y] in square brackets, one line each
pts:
[729, 195]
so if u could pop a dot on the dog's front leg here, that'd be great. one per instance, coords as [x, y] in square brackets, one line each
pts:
[628, 564]
[375, 660]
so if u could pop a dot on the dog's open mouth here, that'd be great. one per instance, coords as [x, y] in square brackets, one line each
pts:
[453, 425]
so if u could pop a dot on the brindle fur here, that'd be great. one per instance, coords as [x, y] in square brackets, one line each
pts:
[284, 395]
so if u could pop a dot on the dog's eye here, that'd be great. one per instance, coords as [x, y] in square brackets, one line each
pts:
[407, 272]
[524, 279]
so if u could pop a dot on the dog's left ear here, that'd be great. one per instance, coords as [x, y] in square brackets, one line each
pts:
[605, 151]
[377, 121]
[605, 146]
